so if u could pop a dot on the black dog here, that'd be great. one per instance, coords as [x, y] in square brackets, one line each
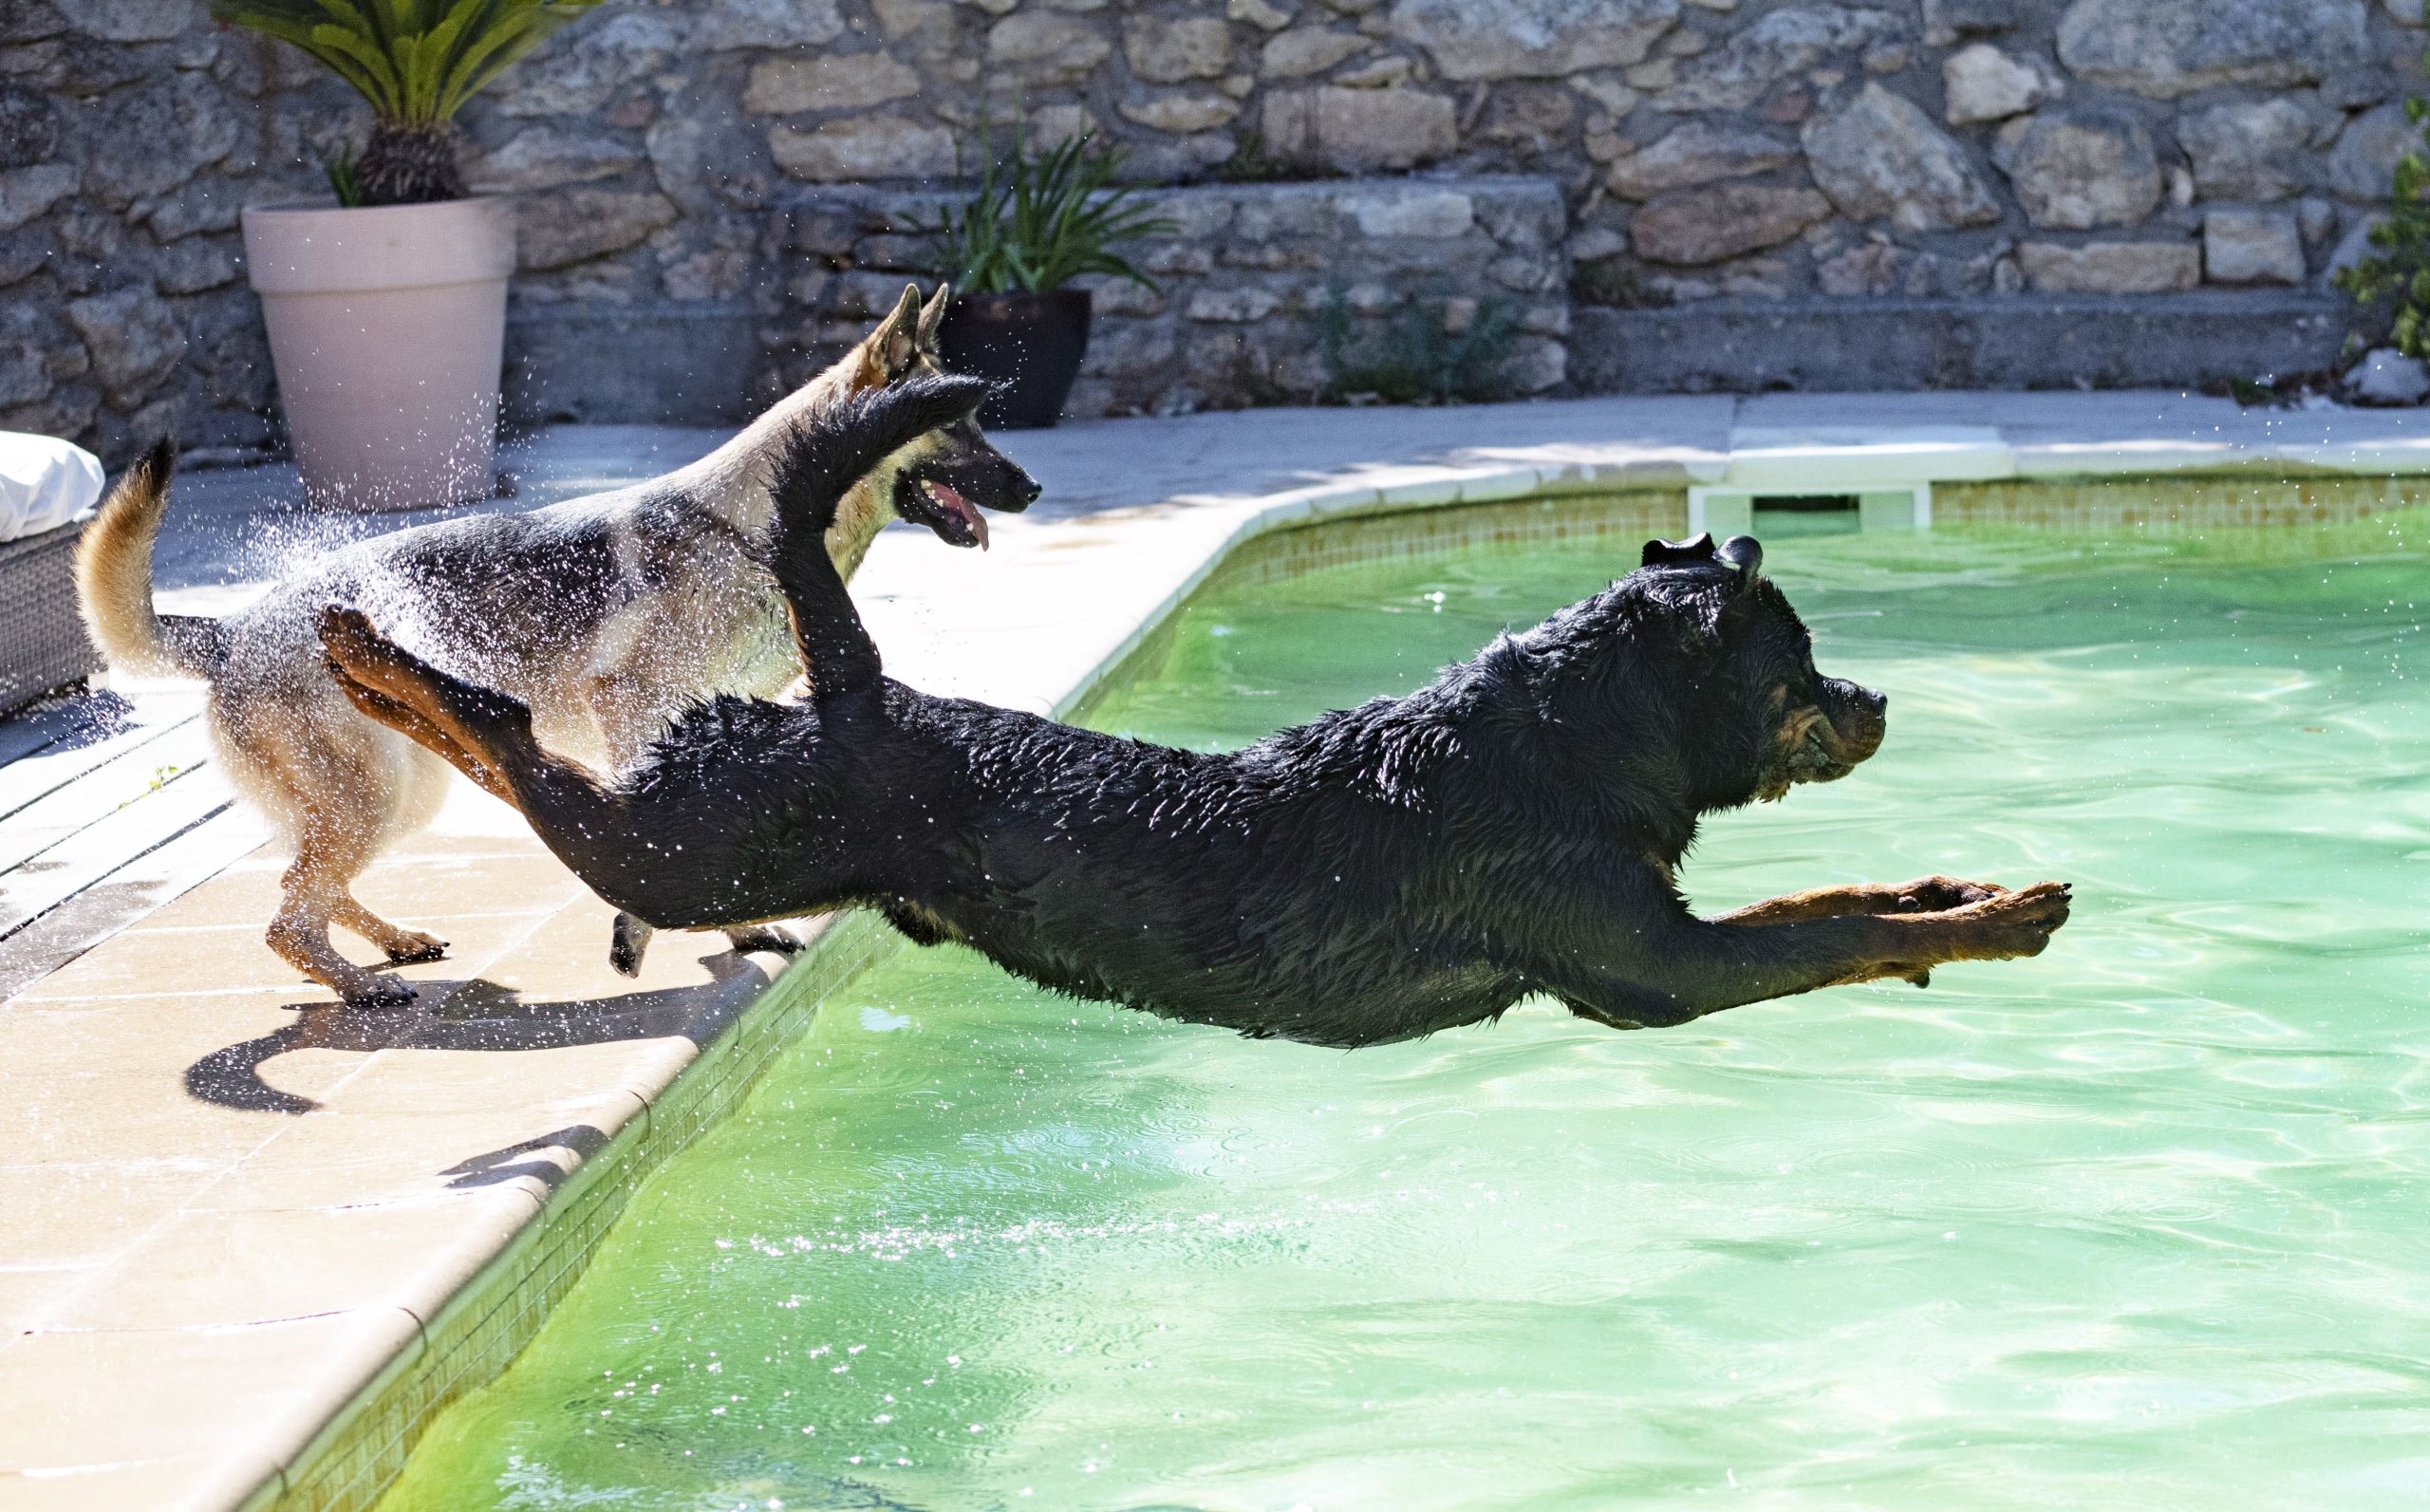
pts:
[1383, 872]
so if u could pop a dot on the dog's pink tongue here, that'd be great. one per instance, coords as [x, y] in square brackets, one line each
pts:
[947, 496]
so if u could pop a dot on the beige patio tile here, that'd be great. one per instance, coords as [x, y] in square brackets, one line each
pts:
[26, 1295]
[180, 964]
[82, 1213]
[239, 1397]
[172, 1484]
[334, 1159]
[587, 1056]
[81, 1118]
[208, 1270]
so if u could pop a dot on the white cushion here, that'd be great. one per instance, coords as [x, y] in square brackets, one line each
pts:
[44, 482]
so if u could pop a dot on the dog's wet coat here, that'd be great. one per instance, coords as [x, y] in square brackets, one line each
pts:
[1385, 872]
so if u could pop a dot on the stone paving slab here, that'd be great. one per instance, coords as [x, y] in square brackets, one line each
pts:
[232, 1206]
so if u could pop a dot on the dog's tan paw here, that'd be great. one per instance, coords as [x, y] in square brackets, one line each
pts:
[2015, 924]
[1941, 894]
[416, 948]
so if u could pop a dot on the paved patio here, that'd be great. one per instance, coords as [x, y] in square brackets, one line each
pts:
[233, 1205]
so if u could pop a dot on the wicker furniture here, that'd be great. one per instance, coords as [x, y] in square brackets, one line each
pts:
[41, 637]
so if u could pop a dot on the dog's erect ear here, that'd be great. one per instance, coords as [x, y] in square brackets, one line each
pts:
[1694, 550]
[1743, 555]
[895, 343]
[933, 315]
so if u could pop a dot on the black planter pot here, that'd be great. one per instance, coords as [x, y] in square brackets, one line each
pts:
[1029, 343]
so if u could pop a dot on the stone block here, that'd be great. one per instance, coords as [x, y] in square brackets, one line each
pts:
[1413, 212]
[1182, 112]
[1357, 130]
[2252, 247]
[2165, 49]
[570, 225]
[1949, 22]
[134, 338]
[138, 142]
[1880, 155]
[2249, 149]
[1981, 83]
[1232, 306]
[28, 126]
[1303, 50]
[2076, 170]
[2110, 268]
[1523, 216]
[23, 253]
[128, 20]
[1778, 47]
[872, 147]
[1531, 38]
[2363, 164]
[2358, 87]
[1263, 15]
[194, 265]
[26, 193]
[1382, 73]
[1871, 270]
[1173, 51]
[728, 24]
[1042, 48]
[1698, 226]
[1697, 153]
[588, 66]
[549, 158]
[1535, 365]
[827, 81]
[2385, 376]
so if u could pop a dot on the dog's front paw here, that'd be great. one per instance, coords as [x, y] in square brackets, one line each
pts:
[1941, 894]
[417, 947]
[2015, 923]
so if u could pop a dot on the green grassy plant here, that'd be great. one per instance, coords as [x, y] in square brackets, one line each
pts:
[1412, 359]
[416, 62]
[2397, 270]
[1040, 220]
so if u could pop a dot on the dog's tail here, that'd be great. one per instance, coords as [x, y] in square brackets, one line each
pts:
[825, 454]
[114, 581]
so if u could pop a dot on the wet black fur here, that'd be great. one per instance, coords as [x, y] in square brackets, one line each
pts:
[1381, 873]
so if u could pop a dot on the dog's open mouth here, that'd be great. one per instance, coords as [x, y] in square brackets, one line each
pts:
[942, 509]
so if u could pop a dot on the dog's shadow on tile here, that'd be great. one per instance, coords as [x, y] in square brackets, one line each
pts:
[475, 1015]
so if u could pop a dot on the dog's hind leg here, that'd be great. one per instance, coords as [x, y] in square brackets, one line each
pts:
[314, 895]
[626, 942]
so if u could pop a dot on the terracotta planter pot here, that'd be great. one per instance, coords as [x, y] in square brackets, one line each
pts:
[1031, 344]
[388, 326]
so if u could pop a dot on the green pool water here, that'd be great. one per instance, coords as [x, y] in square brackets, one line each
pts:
[2141, 1222]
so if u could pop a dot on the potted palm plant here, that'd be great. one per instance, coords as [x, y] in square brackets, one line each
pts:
[386, 301]
[1036, 222]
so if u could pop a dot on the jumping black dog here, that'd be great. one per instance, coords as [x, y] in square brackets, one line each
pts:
[1383, 872]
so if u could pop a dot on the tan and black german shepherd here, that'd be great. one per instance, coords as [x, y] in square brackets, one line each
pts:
[607, 614]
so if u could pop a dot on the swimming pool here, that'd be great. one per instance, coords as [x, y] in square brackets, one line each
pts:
[2137, 1222]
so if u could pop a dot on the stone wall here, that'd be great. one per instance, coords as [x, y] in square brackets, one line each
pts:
[1244, 283]
[1761, 149]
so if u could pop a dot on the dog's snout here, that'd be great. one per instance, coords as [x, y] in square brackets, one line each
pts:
[1030, 489]
[1864, 719]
